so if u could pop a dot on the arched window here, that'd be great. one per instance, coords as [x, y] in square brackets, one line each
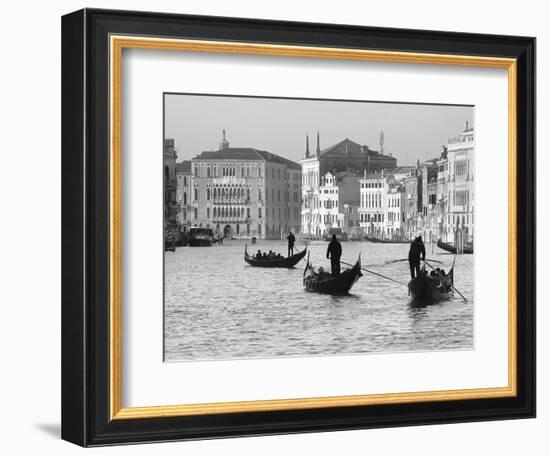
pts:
[247, 212]
[166, 174]
[247, 193]
[248, 171]
[185, 198]
[259, 230]
[208, 194]
[207, 212]
[208, 172]
[196, 193]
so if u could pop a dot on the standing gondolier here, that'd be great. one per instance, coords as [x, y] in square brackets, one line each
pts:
[291, 239]
[416, 251]
[334, 252]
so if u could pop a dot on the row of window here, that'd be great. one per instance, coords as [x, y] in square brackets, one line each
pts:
[372, 184]
[461, 198]
[371, 200]
[371, 217]
[228, 170]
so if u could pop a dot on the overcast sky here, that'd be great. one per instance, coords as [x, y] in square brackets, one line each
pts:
[411, 131]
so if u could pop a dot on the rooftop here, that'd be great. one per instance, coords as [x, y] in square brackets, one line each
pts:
[246, 153]
[183, 167]
[346, 148]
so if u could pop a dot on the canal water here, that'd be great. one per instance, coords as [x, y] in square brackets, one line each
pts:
[218, 307]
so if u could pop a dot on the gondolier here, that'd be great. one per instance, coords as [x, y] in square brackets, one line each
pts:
[291, 239]
[334, 252]
[416, 251]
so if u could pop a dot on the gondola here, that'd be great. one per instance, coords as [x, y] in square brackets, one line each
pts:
[285, 262]
[340, 284]
[425, 289]
[468, 248]
[385, 241]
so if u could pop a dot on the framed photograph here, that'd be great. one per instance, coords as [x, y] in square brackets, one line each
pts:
[278, 227]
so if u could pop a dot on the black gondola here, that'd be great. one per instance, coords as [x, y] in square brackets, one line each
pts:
[468, 248]
[385, 241]
[428, 289]
[282, 262]
[325, 283]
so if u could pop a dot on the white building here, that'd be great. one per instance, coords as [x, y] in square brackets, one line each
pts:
[394, 214]
[372, 205]
[460, 213]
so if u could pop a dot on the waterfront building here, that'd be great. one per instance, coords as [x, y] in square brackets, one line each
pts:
[343, 156]
[394, 214]
[429, 215]
[372, 204]
[460, 214]
[411, 205]
[244, 192]
[183, 195]
[338, 203]
[169, 177]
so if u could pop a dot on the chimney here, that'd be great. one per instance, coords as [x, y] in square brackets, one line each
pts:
[307, 145]
[466, 126]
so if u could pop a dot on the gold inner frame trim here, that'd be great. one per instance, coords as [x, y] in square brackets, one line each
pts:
[117, 44]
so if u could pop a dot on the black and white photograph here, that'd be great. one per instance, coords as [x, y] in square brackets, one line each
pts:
[306, 227]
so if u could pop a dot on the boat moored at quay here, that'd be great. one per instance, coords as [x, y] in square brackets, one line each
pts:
[201, 237]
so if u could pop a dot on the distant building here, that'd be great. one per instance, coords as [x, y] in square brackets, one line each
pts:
[345, 156]
[338, 204]
[184, 178]
[460, 204]
[372, 204]
[412, 206]
[243, 192]
[428, 216]
[394, 208]
[170, 206]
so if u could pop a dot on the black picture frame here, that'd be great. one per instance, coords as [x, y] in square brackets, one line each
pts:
[85, 228]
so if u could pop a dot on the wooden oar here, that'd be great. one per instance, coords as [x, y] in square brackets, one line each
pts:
[452, 286]
[374, 273]
[406, 259]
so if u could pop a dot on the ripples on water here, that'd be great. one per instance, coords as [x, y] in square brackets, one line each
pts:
[218, 307]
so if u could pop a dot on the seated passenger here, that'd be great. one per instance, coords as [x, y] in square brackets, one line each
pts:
[259, 254]
[264, 256]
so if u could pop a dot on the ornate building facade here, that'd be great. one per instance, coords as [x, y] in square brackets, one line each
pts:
[458, 220]
[183, 195]
[245, 192]
[170, 188]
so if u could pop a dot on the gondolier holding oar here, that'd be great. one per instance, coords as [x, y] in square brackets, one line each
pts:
[291, 239]
[334, 252]
[415, 252]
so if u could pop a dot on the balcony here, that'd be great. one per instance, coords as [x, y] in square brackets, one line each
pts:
[222, 201]
[226, 219]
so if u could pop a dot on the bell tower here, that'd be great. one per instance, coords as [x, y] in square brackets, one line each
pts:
[225, 143]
